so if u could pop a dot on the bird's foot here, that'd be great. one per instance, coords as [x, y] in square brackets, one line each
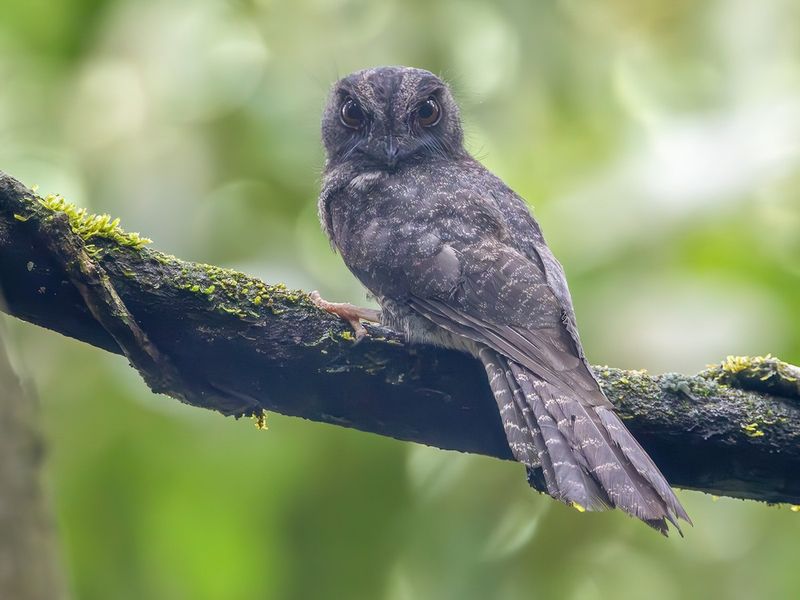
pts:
[349, 312]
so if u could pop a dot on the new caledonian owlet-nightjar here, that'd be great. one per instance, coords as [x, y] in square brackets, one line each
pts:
[455, 258]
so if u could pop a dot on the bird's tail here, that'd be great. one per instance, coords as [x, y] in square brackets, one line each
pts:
[578, 453]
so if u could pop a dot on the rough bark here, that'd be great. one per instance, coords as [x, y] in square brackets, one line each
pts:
[222, 340]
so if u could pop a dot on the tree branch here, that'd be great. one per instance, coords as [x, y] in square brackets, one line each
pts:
[219, 339]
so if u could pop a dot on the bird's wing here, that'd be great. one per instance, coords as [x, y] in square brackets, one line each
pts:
[503, 300]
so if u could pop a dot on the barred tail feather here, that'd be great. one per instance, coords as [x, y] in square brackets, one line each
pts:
[641, 461]
[534, 439]
[586, 455]
[521, 440]
[573, 484]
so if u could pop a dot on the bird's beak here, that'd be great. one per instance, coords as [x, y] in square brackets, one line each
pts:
[391, 152]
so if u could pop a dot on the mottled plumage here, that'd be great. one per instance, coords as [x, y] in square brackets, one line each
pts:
[455, 258]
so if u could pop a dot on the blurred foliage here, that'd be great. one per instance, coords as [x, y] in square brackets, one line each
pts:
[658, 142]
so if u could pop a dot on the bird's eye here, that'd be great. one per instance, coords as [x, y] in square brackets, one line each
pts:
[352, 116]
[429, 112]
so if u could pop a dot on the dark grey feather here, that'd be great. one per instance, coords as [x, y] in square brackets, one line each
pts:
[521, 438]
[455, 258]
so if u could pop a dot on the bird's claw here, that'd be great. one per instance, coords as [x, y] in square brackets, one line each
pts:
[347, 312]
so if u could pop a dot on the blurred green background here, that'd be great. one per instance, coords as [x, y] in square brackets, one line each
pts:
[659, 142]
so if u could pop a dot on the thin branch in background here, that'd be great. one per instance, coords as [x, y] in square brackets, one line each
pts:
[28, 566]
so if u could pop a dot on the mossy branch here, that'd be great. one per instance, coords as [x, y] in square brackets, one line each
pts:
[221, 340]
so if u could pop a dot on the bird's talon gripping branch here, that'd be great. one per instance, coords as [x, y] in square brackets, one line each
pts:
[348, 312]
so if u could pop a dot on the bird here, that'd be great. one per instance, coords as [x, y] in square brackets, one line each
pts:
[455, 258]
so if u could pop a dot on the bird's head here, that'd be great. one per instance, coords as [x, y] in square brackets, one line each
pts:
[389, 116]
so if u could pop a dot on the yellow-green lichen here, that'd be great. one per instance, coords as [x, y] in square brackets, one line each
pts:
[165, 259]
[735, 364]
[235, 293]
[89, 226]
[230, 292]
[578, 507]
[752, 430]
[762, 373]
[259, 418]
[761, 368]
[621, 384]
